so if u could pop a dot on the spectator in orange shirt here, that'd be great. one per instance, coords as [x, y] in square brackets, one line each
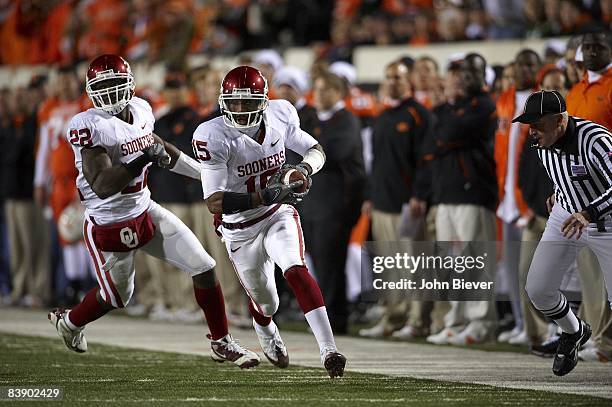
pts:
[361, 104]
[56, 49]
[21, 34]
[591, 99]
[55, 174]
[99, 23]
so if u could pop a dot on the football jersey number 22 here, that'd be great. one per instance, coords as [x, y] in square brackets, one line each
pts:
[81, 137]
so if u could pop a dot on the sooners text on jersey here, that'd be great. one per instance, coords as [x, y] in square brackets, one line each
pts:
[235, 162]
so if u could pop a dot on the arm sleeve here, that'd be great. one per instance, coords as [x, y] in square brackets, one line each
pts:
[601, 156]
[213, 156]
[297, 139]
[41, 175]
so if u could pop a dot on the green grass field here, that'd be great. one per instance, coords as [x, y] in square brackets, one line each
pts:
[112, 375]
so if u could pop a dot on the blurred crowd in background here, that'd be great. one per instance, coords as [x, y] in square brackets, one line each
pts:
[427, 154]
[68, 31]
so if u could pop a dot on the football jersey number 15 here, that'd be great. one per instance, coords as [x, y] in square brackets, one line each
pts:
[202, 154]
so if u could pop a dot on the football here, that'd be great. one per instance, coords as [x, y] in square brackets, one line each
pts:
[293, 175]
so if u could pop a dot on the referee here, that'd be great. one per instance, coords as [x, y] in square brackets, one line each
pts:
[577, 155]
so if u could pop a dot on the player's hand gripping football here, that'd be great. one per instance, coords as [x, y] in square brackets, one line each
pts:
[157, 154]
[278, 191]
[302, 190]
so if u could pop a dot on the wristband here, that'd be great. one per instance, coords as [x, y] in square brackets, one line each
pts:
[315, 159]
[234, 202]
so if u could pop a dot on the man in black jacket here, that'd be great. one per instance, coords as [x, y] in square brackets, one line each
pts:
[397, 136]
[333, 204]
[464, 184]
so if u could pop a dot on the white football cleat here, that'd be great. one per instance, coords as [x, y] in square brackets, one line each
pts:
[442, 337]
[594, 355]
[228, 349]
[379, 330]
[74, 340]
[520, 339]
[409, 332]
[469, 336]
[506, 335]
[272, 345]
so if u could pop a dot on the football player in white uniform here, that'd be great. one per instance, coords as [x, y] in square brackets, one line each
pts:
[242, 153]
[114, 144]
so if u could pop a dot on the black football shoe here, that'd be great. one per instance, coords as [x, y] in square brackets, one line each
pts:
[334, 363]
[566, 357]
[546, 349]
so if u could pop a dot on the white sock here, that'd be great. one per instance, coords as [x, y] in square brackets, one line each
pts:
[265, 330]
[69, 322]
[319, 323]
[569, 323]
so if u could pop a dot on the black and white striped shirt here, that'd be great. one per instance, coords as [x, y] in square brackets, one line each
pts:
[580, 166]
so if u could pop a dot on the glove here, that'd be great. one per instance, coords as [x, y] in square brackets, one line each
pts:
[277, 192]
[156, 153]
[301, 168]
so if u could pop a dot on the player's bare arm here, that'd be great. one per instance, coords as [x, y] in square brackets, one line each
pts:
[104, 178]
[107, 179]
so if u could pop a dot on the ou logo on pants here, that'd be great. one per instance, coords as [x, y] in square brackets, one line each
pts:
[128, 237]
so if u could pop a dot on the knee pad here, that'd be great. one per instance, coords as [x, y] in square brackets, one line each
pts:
[269, 309]
[198, 264]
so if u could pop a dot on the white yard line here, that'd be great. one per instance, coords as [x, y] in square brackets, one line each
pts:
[501, 369]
